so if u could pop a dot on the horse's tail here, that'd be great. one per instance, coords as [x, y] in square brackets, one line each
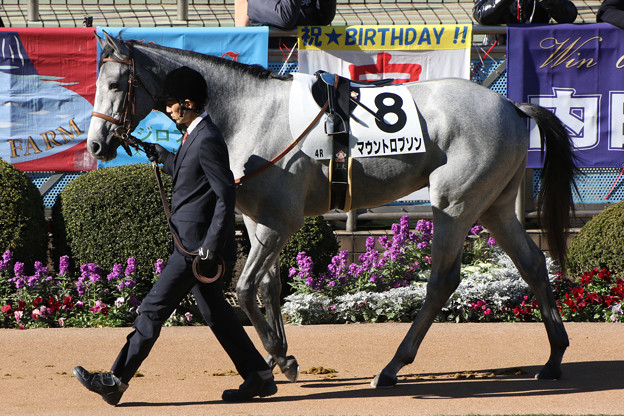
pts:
[555, 204]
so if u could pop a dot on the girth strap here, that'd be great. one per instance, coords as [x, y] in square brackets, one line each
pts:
[337, 126]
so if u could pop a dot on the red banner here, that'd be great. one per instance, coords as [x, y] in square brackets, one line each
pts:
[47, 80]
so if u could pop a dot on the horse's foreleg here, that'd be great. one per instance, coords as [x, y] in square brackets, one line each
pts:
[528, 258]
[445, 277]
[259, 272]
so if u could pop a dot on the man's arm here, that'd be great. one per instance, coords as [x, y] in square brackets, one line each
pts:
[279, 13]
[214, 162]
[492, 12]
[611, 11]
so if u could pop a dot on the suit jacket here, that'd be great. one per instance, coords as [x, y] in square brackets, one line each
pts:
[203, 192]
[500, 12]
[611, 11]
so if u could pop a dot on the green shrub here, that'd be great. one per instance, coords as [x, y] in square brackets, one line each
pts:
[600, 243]
[318, 240]
[23, 228]
[109, 215]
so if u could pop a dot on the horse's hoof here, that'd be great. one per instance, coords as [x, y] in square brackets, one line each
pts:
[290, 369]
[383, 381]
[549, 372]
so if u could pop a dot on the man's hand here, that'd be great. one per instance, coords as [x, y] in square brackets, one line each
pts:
[207, 261]
[155, 152]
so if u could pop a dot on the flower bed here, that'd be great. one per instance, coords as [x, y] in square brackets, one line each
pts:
[391, 285]
[385, 285]
[90, 299]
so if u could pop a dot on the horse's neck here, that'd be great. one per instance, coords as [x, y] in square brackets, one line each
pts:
[239, 102]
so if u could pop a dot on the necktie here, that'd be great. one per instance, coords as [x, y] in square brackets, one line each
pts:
[184, 138]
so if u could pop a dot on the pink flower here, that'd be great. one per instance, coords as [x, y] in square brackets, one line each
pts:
[18, 315]
[35, 314]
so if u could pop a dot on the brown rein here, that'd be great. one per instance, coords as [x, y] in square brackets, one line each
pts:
[285, 151]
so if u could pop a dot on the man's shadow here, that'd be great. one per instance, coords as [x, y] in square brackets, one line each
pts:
[578, 377]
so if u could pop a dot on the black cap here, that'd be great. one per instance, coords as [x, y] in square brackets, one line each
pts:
[186, 83]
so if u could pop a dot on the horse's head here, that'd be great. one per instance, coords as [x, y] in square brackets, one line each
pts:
[122, 99]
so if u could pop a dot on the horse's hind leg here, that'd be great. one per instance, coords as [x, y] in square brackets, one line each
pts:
[260, 272]
[501, 221]
[448, 239]
[270, 290]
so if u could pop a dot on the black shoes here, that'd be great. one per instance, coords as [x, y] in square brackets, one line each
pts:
[253, 386]
[107, 385]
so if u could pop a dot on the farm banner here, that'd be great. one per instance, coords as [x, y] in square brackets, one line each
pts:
[576, 71]
[248, 45]
[405, 53]
[47, 88]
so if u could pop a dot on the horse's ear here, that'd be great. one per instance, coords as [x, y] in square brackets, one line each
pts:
[100, 41]
[113, 43]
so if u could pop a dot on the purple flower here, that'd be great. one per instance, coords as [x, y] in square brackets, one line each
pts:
[40, 270]
[159, 266]
[491, 242]
[63, 265]
[6, 260]
[475, 230]
[116, 273]
[133, 301]
[18, 269]
[131, 267]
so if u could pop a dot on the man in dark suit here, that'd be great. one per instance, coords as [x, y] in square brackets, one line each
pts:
[202, 219]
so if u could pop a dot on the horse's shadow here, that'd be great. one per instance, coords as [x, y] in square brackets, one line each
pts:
[577, 377]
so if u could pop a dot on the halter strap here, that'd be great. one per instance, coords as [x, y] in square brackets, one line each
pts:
[129, 102]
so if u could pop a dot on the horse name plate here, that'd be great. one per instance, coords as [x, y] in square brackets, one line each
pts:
[384, 123]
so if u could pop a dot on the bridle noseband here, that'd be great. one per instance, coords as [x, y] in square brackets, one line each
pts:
[128, 107]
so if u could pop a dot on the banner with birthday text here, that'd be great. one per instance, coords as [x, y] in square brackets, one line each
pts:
[404, 53]
[577, 72]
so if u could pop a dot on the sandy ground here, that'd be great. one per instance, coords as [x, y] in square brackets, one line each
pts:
[452, 374]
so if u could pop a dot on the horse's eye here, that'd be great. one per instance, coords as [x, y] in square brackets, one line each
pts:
[113, 86]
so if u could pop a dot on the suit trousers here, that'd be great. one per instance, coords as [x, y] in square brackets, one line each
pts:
[174, 283]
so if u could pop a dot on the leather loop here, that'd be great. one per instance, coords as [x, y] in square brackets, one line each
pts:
[205, 279]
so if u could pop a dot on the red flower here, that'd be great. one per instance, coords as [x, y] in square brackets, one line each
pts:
[7, 309]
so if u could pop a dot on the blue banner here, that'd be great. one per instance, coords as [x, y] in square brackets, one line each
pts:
[248, 45]
[576, 71]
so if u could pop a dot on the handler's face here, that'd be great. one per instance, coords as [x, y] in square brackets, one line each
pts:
[174, 109]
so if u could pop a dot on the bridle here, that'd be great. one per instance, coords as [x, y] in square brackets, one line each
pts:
[128, 106]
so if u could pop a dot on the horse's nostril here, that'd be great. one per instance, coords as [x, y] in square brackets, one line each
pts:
[95, 148]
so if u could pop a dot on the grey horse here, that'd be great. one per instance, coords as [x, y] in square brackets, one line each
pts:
[476, 150]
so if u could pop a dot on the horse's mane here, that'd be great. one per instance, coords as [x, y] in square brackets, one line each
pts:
[255, 70]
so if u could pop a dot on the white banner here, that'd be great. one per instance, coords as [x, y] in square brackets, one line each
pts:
[404, 53]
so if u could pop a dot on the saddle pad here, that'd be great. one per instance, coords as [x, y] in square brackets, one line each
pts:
[400, 132]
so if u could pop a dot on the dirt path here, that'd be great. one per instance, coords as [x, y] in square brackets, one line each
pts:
[187, 371]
